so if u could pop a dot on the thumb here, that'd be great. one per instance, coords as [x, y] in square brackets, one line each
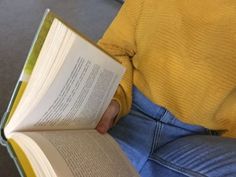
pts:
[108, 117]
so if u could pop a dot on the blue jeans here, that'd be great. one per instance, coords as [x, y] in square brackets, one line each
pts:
[158, 144]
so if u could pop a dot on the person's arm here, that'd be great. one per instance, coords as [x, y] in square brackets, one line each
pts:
[119, 41]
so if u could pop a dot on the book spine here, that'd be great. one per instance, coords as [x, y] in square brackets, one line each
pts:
[3, 140]
[7, 113]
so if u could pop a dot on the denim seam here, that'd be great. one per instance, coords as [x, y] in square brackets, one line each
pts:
[164, 118]
[176, 168]
[156, 137]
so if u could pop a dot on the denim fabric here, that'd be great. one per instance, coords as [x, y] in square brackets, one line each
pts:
[159, 145]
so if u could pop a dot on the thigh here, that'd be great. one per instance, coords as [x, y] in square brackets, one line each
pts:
[134, 133]
[198, 155]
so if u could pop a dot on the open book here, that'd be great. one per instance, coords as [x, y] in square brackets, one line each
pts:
[66, 85]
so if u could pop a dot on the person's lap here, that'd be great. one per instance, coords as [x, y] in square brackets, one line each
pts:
[158, 144]
[195, 155]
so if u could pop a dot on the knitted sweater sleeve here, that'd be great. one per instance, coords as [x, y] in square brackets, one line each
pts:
[119, 41]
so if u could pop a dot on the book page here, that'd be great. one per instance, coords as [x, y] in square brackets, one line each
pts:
[78, 94]
[83, 153]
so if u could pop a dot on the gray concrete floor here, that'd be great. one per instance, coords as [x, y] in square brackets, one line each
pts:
[19, 20]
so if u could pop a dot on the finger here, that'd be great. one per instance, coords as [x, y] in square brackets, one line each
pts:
[108, 117]
[105, 124]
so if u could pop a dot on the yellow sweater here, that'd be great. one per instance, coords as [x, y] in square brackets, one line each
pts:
[181, 55]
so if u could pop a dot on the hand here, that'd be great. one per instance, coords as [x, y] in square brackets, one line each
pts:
[108, 117]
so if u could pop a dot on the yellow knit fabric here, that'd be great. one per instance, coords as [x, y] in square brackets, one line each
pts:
[182, 55]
